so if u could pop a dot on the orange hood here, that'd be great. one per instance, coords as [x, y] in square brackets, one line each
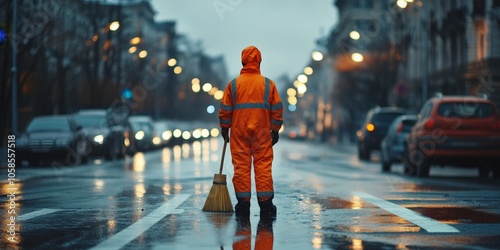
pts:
[251, 58]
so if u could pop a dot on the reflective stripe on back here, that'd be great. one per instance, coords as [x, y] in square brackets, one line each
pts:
[248, 105]
[233, 89]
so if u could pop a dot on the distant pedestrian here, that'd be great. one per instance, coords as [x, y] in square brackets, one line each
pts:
[252, 109]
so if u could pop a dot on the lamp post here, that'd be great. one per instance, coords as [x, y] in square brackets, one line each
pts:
[14, 68]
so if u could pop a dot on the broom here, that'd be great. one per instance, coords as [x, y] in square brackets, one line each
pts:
[218, 199]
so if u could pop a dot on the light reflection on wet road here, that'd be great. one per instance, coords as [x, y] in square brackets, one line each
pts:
[318, 208]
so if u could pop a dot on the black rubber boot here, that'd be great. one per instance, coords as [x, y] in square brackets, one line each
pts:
[242, 209]
[267, 209]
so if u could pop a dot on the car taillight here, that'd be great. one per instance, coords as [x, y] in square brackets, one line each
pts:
[496, 125]
[400, 128]
[370, 127]
[430, 124]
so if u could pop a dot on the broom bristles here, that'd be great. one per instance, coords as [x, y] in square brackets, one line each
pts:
[218, 199]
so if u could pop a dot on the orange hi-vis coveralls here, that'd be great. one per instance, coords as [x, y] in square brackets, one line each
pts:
[251, 108]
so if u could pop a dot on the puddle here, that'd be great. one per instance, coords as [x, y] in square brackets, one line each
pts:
[455, 215]
[377, 228]
[413, 187]
[337, 203]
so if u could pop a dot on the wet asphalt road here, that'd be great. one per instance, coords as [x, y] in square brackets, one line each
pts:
[326, 199]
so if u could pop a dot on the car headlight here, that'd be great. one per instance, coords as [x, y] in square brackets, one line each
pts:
[166, 135]
[139, 135]
[62, 141]
[99, 139]
[156, 140]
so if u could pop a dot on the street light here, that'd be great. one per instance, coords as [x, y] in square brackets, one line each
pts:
[143, 54]
[132, 50]
[114, 26]
[402, 4]
[317, 56]
[302, 78]
[172, 62]
[357, 57]
[355, 35]
[207, 87]
[308, 71]
[136, 40]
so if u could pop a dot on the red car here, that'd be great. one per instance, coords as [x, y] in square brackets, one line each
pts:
[461, 131]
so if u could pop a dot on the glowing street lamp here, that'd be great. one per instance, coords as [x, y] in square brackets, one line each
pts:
[143, 54]
[178, 70]
[308, 71]
[302, 78]
[317, 56]
[136, 40]
[354, 35]
[196, 87]
[219, 94]
[172, 62]
[132, 50]
[402, 4]
[357, 57]
[114, 26]
[207, 87]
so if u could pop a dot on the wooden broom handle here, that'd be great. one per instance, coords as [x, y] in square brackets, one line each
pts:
[223, 154]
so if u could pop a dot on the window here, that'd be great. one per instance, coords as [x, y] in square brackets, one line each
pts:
[465, 110]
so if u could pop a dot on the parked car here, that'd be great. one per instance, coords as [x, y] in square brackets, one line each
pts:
[461, 131]
[162, 133]
[143, 132]
[107, 137]
[53, 138]
[375, 128]
[296, 132]
[392, 147]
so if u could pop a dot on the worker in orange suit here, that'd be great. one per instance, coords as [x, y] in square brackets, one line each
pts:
[252, 110]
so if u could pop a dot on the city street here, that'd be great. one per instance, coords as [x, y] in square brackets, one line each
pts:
[326, 199]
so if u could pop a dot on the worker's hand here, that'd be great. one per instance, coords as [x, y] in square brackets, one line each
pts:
[275, 137]
[225, 134]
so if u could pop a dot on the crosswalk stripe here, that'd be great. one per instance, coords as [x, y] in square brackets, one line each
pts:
[428, 224]
[128, 234]
[34, 214]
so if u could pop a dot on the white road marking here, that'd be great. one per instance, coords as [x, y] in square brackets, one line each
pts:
[32, 215]
[428, 224]
[128, 234]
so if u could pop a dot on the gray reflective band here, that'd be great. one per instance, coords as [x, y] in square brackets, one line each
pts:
[266, 92]
[243, 194]
[225, 107]
[277, 106]
[265, 194]
[225, 121]
[233, 89]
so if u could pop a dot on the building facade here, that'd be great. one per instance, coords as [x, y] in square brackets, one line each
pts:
[452, 47]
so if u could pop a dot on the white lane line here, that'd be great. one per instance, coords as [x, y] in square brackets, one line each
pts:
[128, 234]
[428, 224]
[40, 212]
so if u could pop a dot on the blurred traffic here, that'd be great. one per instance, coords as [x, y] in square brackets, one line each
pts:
[136, 83]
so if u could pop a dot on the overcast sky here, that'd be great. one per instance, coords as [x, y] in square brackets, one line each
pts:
[285, 31]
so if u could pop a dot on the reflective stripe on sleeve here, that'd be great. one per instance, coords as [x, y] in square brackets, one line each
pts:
[276, 122]
[277, 106]
[226, 107]
[225, 121]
